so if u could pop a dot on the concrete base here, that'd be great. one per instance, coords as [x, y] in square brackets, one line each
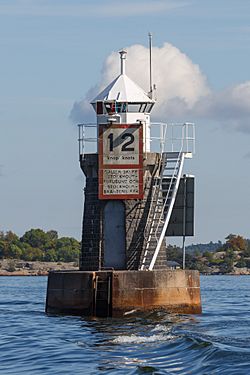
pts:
[114, 293]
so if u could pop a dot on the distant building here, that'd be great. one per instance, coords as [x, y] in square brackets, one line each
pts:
[173, 265]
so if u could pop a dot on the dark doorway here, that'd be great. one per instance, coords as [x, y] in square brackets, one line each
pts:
[114, 235]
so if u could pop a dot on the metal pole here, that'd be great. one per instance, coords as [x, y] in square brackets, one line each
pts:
[150, 66]
[184, 253]
[123, 58]
[184, 221]
[79, 140]
[161, 138]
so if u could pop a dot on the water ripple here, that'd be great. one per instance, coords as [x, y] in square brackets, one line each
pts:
[216, 342]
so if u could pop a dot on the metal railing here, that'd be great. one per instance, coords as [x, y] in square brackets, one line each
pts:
[87, 135]
[173, 137]
[163, 138]
[169, 196]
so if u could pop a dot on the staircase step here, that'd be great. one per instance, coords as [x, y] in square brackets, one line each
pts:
[166, 189]
[172, 154]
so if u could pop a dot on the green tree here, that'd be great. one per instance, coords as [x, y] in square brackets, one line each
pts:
[52, 235]
[197, 253]
[209, 256]
[14, 252]
[51, 256]
[36, 244]
[247, 251]
[67, 249]
[32, 253]
[68, 254]
[230, 254]
[11, 237]
[241, 263]
[51, 240]
[67, 241]
[174, 253]
[227, 265]
[3, 248]
[236, 242]
[7, 241]
[35, 238]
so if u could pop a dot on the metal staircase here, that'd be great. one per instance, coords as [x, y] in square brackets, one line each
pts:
[164, 193]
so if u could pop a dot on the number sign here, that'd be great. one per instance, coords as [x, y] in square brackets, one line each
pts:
[120, 161]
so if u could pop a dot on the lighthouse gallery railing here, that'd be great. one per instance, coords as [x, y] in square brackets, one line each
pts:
[164, 137]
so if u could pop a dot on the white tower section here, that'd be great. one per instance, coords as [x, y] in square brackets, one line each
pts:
[124, 102]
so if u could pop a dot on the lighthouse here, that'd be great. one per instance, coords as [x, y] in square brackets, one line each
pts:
[134, 198]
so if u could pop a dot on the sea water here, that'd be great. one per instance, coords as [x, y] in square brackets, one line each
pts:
[216, 342]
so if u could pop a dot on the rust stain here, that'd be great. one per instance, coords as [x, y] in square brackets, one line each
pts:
[130, 290]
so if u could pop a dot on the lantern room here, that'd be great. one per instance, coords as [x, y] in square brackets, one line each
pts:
[124, 102]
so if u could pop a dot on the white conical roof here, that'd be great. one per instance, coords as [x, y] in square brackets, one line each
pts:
[123, 89]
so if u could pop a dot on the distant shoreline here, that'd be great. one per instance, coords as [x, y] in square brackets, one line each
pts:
[14, 267]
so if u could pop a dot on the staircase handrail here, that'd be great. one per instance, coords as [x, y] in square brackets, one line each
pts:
[173, 176]
[162, 235]
[149, 221]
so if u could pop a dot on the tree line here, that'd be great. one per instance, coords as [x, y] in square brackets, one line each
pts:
[233, 253]
[202, 247]
[39, 245]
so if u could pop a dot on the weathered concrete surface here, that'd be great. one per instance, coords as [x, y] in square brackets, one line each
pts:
[173, 290]
[70, 292]
[78, 292]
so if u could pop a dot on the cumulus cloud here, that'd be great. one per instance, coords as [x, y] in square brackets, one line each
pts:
[230, 106]
[180, 83]
[182, 89]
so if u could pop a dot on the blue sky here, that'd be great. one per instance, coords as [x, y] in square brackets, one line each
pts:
[53, 52]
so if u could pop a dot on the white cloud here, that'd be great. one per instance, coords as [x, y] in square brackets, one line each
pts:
[182, 90]
[180, 83]
[231, 107]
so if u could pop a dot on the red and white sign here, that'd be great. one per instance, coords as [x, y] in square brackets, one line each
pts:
[120, 161]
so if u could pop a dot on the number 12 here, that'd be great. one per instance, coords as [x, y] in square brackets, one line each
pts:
[125, 145]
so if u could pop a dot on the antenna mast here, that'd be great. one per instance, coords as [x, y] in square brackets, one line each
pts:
[150, 66]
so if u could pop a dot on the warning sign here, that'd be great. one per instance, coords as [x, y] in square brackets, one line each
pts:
[121, 181]
[120, 161]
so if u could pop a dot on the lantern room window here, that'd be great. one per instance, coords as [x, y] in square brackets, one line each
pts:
[110, 107]
[149, 108]
[139, 107]
[134, 107]
[99, 108]
[122, 107]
